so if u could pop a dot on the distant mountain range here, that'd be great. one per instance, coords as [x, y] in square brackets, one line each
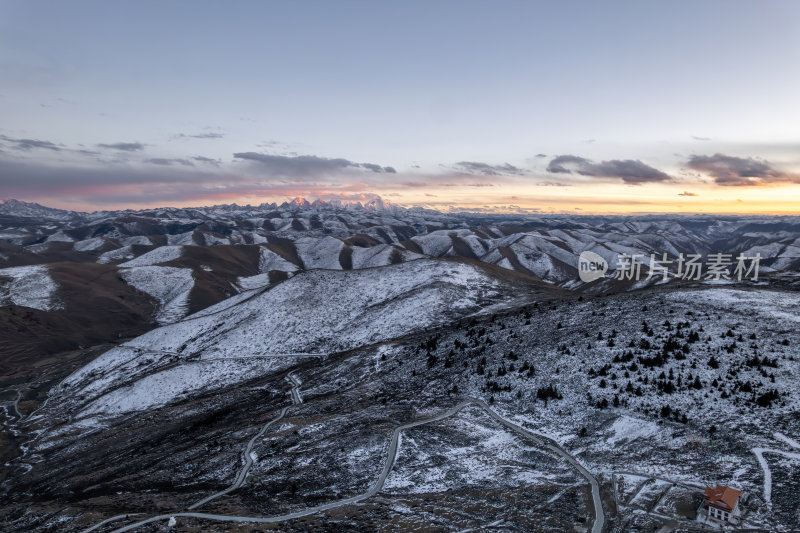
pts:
[335, 235]
[18, 208]
[157, 265]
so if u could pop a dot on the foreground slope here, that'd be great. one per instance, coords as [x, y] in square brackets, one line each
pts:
[316, 312]
[551, 413]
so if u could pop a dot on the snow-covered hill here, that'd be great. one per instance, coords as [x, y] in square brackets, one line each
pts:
[30, 286]
[317, 312]
[169, 285]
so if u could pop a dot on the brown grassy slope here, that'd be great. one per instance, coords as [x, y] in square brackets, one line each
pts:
[227, 263]
[98, 307]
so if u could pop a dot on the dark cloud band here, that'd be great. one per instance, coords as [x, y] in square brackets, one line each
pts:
[486, 169]
[29, 144]
[631, 171]
[307, 165]
[738, 171]
[125, 147]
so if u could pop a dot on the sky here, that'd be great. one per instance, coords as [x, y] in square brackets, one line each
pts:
[585, 107]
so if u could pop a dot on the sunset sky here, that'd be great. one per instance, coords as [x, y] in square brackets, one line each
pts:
[586, 107]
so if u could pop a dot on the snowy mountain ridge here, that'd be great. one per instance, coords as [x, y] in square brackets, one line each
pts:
[317, 312]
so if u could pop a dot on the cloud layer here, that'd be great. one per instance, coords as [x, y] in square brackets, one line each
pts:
[209, 135]
[28, 144]
[124, 147]
[135, 173]
[486, 169]
[168, 162]
[306, 165]
[630, 171]
[738, 171]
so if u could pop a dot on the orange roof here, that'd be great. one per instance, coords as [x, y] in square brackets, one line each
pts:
[722, 496]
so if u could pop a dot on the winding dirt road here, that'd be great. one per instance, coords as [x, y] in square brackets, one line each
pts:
[16, 405]
[550, 444]
[247, 454]
[248, 462]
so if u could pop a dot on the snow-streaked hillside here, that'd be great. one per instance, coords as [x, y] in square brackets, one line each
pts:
[319, 253]
[30, 286]
[169, 285]
[314, 312]
[269, 260]
[162, 254]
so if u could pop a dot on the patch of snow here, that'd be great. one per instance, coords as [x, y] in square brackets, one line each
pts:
[766, 304]
[436, 243]
[112, 256]
[162, 254]
[185, 239]
[174, 383]
[249, 283]
[60, 236]
[320, 253]
[137, 239]
[169, 285]
[89, 245]
[626, 428]
[379, 255]
[29, 286]
[505, 263]
[213, 240]
[269, 260]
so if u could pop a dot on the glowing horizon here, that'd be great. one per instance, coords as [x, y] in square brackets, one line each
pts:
[501, 203]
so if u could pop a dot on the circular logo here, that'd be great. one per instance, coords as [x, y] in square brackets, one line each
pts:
[591, 266]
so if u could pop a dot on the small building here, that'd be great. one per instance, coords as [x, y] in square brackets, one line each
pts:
[720, 505]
